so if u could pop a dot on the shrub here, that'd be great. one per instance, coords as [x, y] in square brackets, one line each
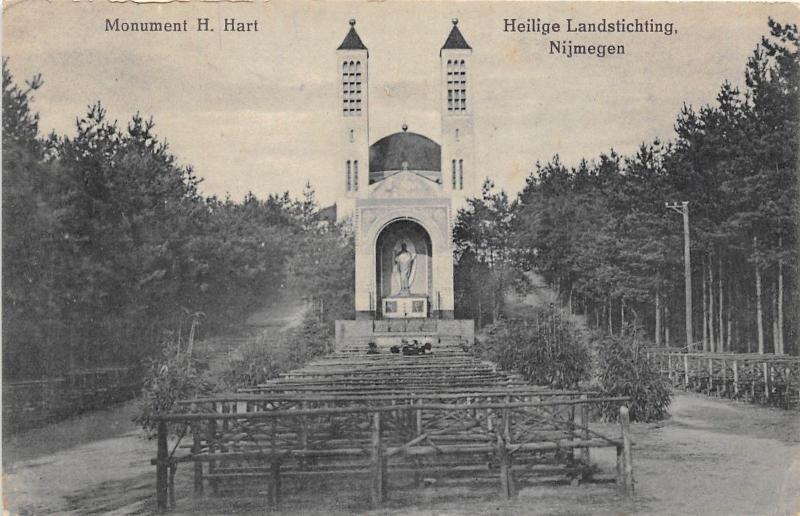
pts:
[174, 376]
[255, 363]
[546, 349]
[625, 371]
[260, 361]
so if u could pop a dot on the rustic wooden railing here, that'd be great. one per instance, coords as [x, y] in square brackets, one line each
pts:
[32, 403]
[449, 434]
[387, 416]
[768, 379]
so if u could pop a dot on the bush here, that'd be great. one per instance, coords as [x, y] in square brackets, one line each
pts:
[254, 364]
[260, 361]
[174, 376]
[546, 349]
[625, 371]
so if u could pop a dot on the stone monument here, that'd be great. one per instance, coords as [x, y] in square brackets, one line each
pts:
[401, 194]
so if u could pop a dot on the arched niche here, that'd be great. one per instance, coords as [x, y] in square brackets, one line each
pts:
[391, 239]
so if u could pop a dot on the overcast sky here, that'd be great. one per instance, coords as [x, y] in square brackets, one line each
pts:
[257, 111]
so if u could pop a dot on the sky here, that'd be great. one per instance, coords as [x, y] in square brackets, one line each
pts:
[258, 111]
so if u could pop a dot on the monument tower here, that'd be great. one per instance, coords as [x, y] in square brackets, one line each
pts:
[458, 146]
[353, 159]
[401, 194]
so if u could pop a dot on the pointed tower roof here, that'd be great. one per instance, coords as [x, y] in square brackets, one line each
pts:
[352, 41]
[455, 40]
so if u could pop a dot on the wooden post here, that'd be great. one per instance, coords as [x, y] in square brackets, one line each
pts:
[211, 439]
[627, 459]
[507, 422]
[275, 485]
[378, 465]
[724, 376]
[671, 373]
[787, 376]
[506, 480]
[658, 318]
[766, 382]
[275, 466]
[583, 453]
[686, 371]
[162, 456]
[418, 414]
[771, 377]
[198, 466]
[171, 485]
[303, 438]
[736, 377]
[418, 462]
[710, 376]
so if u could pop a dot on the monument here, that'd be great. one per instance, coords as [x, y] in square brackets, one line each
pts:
[401, 194]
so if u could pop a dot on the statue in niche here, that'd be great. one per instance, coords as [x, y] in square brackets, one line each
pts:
[404, 261]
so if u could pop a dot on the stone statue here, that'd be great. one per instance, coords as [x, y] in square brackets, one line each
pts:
[404, 264]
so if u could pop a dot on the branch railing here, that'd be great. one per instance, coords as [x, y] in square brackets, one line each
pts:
[761, 378]
[508, 436]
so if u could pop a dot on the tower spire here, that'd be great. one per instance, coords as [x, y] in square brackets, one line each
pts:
[455, 41]
[352, 41]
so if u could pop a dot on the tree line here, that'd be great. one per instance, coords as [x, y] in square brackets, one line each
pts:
[109, 247]
[601, 235]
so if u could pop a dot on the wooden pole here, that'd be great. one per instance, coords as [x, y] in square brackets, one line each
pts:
[378, 470]
[671, 373]
[585, 458]
[686, 370]
[704, 281]
[211, 439]
[162, 457]
[736, 377]
[198, 466]
[506, 480]
[658, 318]
[666, 324]
[780, 300]
[687, 272]
[759, 310]
[627, 458]
[721, 332]
[710, 376]
[275, 485]
[724, 376]
[712, 336]
[171, 483]
[275, 467]
[418, 428]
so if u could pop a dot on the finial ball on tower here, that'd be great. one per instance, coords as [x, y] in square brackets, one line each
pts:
[352, 22]
[405, 127]
[455, 21]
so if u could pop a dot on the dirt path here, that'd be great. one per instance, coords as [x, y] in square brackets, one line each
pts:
[99, 462]
[92, 464]
[711, 457]
[540, 295]
[714, 457]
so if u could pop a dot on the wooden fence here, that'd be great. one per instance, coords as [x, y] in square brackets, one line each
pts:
[768, 379]
[388, 418]
[32, 403]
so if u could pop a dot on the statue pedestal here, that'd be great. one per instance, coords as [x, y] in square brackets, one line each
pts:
[405, 307]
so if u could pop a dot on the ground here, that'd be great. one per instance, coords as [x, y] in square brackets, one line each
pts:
[710, 457]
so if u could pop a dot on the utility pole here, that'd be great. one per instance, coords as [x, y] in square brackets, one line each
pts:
[683, 208]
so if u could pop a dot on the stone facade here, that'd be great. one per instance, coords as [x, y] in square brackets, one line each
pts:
[376, 214]
[402, 191]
